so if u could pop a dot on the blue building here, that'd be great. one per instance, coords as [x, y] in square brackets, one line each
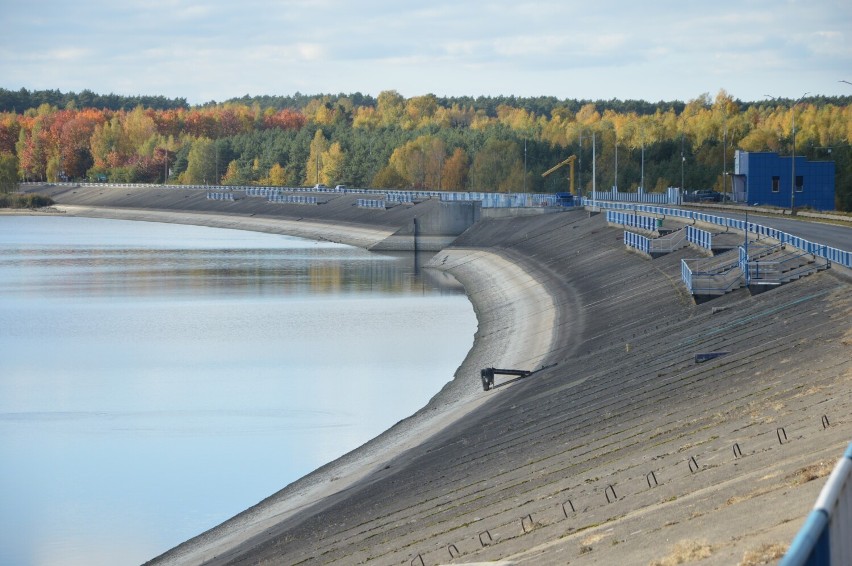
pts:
[766, 178]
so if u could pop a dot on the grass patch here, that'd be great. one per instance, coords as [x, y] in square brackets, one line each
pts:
[683, 552]
[17, 200]
[764, 554]
[810, 473]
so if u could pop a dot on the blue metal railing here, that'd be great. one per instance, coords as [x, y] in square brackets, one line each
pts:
[637, 241]
[220, 196]
[826, 536]
[507, 200]
[370, 203]
[834, 255]
[292, 199]
[699, 237]
[652, 198]
[631, 219]
[686, 275]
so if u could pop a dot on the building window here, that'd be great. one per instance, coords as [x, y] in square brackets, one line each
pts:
[800, 183]
[776, 183]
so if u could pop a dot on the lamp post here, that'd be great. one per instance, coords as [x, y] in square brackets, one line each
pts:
[792, 153]
[682, 162]
[615, 177]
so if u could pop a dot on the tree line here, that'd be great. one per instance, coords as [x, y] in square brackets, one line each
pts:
[422, 142]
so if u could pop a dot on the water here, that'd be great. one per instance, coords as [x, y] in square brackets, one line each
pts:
[157, 379]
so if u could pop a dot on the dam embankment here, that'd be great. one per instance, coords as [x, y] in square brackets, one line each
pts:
[622, 449]
[426, 225]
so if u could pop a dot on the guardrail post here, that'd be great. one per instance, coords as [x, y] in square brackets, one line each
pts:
[607, 491]
[651, 476]
[693, 465]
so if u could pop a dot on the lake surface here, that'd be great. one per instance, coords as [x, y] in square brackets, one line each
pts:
[157, 379]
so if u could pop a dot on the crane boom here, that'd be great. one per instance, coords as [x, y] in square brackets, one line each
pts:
[570, 163]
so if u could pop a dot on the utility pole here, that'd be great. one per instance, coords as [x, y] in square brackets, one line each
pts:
[725, 159]
[580, 166]
[793, 152]
[682, 162]
[615, 178]
[594, 160]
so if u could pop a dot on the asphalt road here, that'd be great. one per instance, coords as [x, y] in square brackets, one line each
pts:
[829, 234]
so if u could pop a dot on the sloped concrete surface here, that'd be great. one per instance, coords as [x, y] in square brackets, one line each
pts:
[625, 447]
[620, 449]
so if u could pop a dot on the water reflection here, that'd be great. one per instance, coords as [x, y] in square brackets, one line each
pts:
[157, 379]
[135, 272]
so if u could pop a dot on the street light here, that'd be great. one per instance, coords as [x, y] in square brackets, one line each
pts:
[792, 153]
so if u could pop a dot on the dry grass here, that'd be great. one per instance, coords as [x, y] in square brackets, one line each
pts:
[764, 554]
[756, 493]
[810, 473]
[799, 477]
[592, 539]
[684, 552]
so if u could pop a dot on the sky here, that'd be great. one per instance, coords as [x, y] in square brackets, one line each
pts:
[593, 50]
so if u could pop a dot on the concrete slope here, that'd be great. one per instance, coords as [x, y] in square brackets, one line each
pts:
[626, 446]
[621, 450]
[338, 215]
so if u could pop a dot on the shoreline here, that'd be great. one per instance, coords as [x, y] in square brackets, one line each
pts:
[516, 318]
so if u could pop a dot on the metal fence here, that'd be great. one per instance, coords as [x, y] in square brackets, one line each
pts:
[292, 199]
[834, 255]
[370, 203]
[669, 243]
[725, 277]
[220, 196]
[637, 241]
[699, 237]
[669, 197]
[826, 536]
[649, 223]
[506, 200]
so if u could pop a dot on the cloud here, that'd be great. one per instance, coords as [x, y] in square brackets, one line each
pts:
[605, 49]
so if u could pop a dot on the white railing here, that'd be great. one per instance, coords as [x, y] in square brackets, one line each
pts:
[669, 243]
[826, 536]
[720, 280]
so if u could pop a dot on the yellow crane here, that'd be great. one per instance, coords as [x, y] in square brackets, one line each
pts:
[570, 163]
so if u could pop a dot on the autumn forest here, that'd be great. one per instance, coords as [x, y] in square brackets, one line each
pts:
[429, 142]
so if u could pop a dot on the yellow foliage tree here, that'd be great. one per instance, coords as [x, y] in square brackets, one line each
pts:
[314, 166]
[454, 176]
[420, 162]
[277, 176]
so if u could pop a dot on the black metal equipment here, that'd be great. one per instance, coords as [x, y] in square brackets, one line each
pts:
[488, 374]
